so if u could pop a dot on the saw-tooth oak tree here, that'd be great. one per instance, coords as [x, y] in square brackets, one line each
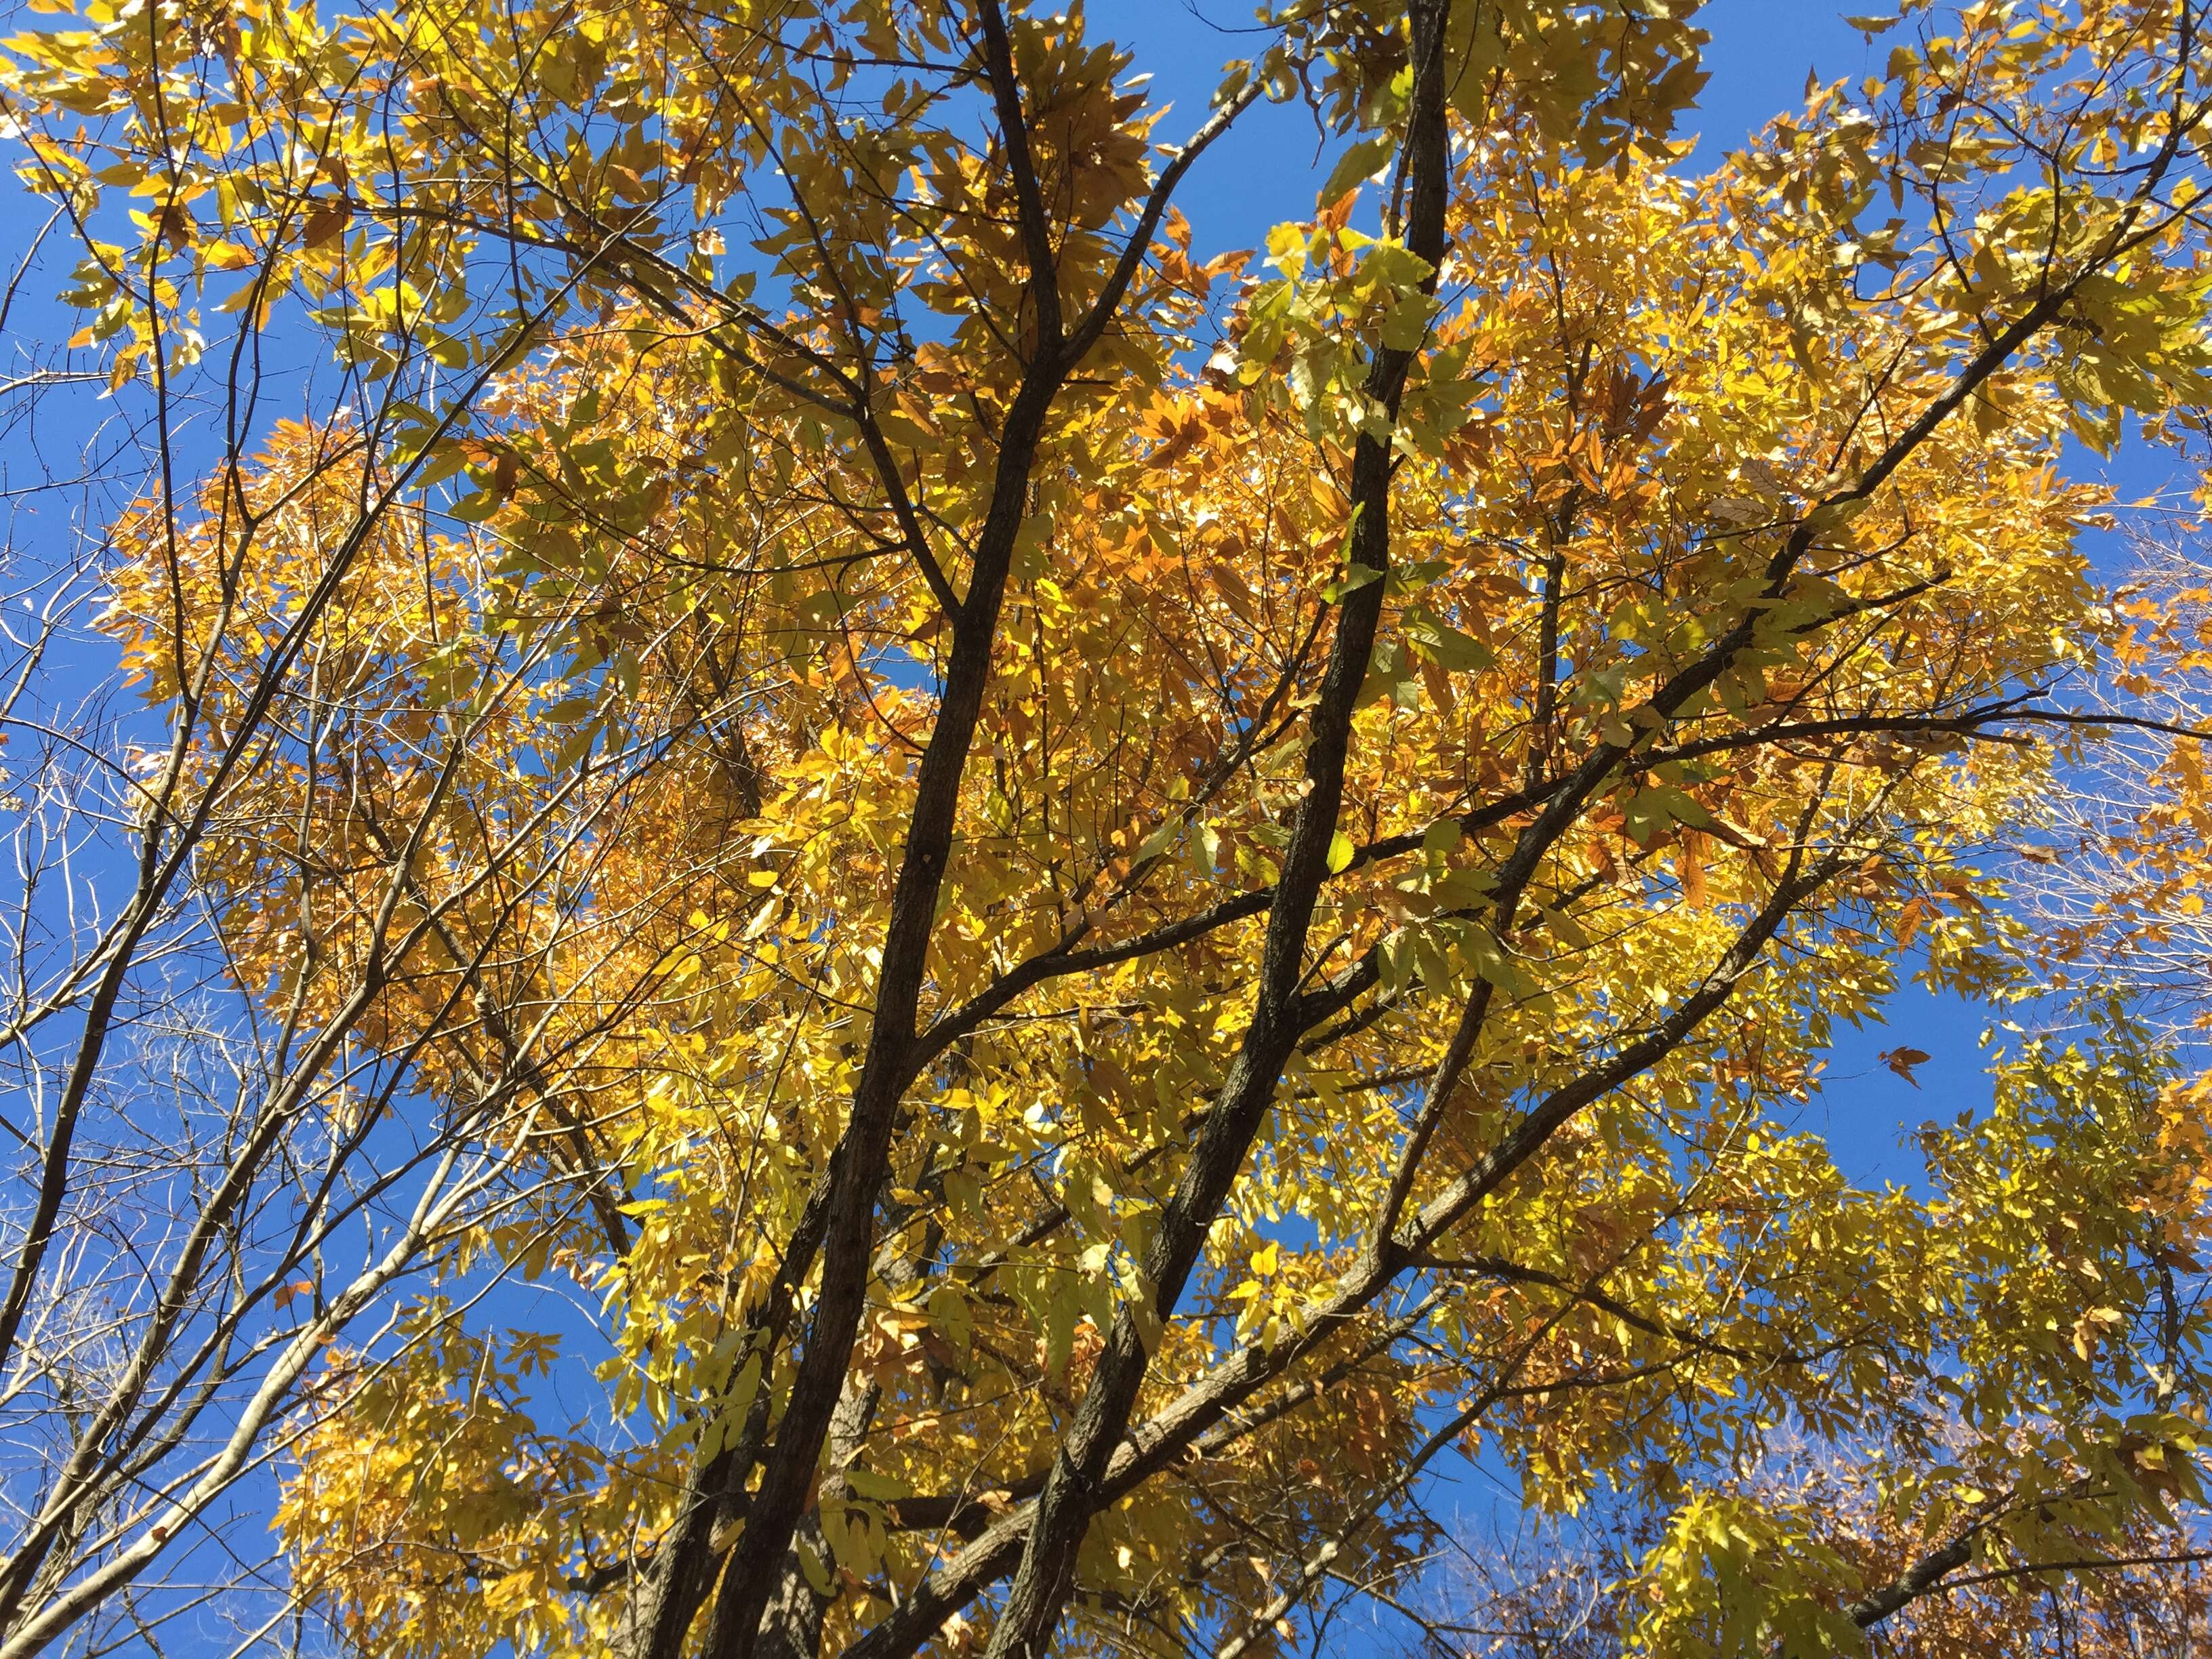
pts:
[1077, 908]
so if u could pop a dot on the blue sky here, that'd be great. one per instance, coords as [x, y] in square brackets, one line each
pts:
[1264, 171]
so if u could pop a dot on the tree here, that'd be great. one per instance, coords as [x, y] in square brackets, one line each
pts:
[2122, 903]
[1093, 903]
[1558, 1591]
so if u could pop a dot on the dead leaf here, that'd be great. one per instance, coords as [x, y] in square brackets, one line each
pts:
[1902, 1060]
[328, 219]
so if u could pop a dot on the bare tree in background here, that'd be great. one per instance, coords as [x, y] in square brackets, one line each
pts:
[2119, 885]
[217, 1174]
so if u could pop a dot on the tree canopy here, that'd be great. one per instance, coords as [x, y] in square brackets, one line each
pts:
[914, 924]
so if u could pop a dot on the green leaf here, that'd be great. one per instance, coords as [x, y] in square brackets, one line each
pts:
[1157, 843]
[817, 1572]
[1652, 810]
[1493, 961]
[475, 508]
[867, 1483]
[1451, 649]
[1361, 161]
[1355, 577]
[1407, 324]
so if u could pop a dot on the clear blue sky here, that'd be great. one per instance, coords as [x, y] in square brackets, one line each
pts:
[1264, 171]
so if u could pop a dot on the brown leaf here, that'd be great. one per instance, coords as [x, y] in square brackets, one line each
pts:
[1690, 864]
[174, 226]
[328, 219]
[1902, 1060]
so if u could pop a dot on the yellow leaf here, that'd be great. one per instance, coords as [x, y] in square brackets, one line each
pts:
[1340, 850]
